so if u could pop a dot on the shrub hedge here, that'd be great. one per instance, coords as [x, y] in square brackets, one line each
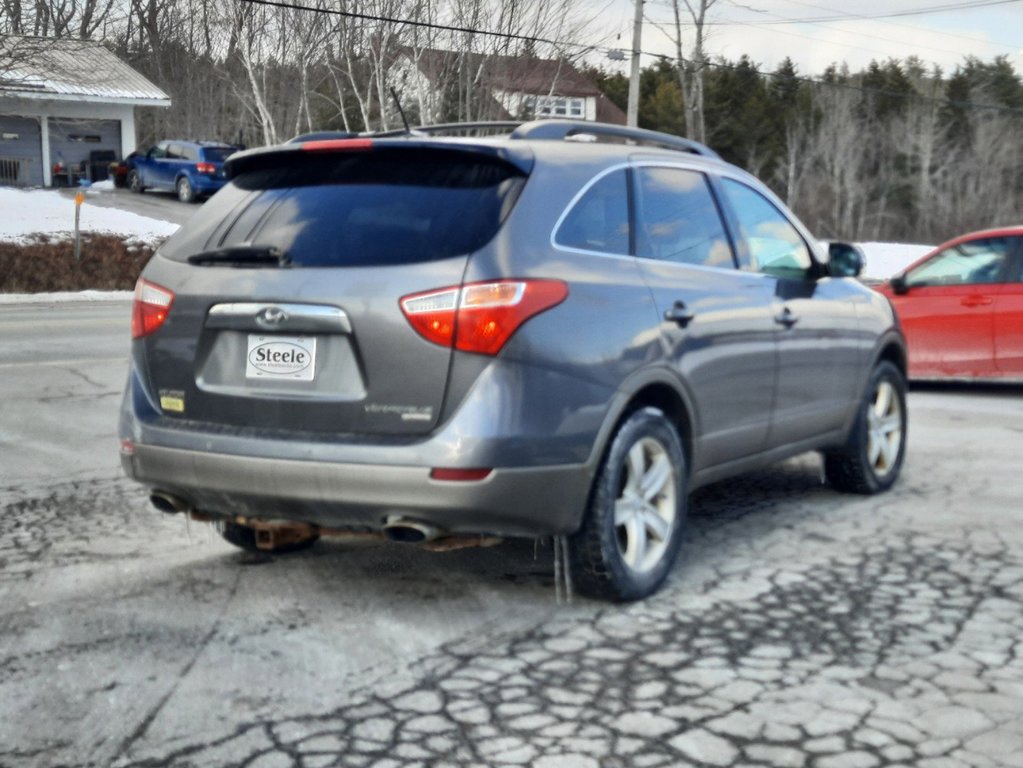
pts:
[107, 263]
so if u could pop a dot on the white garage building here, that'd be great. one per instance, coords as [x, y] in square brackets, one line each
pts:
[67, 108]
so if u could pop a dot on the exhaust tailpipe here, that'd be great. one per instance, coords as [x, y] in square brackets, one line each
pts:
[410, 531]
[168, 502]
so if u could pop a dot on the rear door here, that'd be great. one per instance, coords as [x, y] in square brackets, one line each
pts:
[170, 166]
[716, 320]
[315, 340]
[1008, 317]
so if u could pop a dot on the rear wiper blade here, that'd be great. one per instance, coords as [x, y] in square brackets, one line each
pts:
[243, 256]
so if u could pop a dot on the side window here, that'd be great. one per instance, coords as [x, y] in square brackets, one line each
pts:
[159, 151]
[174, 152]
[677, 219]
[776, 248]
[599, 221]
[973, 263]
[190, 153]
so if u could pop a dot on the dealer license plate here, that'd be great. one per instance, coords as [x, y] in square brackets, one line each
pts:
[273, 357]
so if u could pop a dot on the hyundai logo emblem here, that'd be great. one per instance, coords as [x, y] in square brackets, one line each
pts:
[271, 316]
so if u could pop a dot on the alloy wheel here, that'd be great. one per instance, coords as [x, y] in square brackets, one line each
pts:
[646, 507]
[884, 429]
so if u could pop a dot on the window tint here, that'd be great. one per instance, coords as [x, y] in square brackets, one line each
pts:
[160, 150]
[599, 221]
[190, 153]
[217, 154]
[380, 207]
[973, 263]
[677, 219]
[775, 246]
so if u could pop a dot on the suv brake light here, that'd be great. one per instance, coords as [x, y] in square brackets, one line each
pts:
[205, 167]
[150, 308]
[352, 145]
[480, 317]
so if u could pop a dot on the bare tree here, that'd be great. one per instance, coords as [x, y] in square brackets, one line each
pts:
[691, 68]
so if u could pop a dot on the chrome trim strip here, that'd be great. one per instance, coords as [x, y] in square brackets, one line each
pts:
[311, 318]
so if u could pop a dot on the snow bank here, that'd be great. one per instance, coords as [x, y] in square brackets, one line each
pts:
[886, 259]
[28, 212]
[61, 298]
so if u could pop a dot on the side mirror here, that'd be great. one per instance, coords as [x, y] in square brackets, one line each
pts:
[845, 260]
[899, 285]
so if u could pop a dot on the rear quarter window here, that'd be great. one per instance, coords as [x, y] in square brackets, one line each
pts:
[374, 208]
[599, 220]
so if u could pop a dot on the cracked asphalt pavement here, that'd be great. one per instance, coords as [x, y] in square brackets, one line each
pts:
[800, 628]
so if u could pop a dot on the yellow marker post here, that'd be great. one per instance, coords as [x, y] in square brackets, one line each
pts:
[79, 199]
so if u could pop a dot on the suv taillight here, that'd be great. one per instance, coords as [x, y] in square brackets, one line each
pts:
[150, 308]
[209, 168]
[480, 317]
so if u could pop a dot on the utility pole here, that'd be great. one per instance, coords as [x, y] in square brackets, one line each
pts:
[632, 115]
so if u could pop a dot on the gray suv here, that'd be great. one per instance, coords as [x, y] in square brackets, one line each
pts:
[559, 330]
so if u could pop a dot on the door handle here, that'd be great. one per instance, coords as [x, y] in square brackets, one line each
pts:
[786, 318]
[976, 301]
[679, 314]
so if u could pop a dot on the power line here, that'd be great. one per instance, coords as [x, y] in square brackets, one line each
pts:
[890, 15]
[418, 23]
[862, 17]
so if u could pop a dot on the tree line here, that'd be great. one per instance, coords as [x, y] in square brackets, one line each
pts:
[897, 151]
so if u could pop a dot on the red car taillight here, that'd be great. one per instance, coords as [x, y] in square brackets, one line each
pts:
[149, 310]
[480, 317]
[209, 168]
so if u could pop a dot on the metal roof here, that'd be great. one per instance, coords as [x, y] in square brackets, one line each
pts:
[64, 68]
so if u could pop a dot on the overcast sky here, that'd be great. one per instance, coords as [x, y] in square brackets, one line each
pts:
[866, 30]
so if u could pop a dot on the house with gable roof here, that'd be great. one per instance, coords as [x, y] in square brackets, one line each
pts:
[67, 107]
[500, 88]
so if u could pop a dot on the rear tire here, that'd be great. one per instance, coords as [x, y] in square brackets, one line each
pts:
[872, 460]
[632, 529]
[186, 193]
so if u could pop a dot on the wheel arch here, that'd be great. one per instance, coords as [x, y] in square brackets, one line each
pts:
[893, 350]
[658, 389]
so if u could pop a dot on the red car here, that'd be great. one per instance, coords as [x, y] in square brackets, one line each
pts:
[961, 307]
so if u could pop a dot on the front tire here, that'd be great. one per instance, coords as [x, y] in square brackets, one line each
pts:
[872, 460]
[186, 193]
[134, 182]
[632, 529]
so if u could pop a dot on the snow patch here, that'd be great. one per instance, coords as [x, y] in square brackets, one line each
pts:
[24, 213]
[64, 297]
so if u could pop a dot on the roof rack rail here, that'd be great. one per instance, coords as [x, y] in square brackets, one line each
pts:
[493, 125]
[563, 129]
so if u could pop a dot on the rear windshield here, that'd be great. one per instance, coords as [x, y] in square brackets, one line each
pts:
[375, 208]
[217, 154]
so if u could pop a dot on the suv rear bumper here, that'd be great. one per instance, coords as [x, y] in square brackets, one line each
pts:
[528, 501]
[205, 184]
